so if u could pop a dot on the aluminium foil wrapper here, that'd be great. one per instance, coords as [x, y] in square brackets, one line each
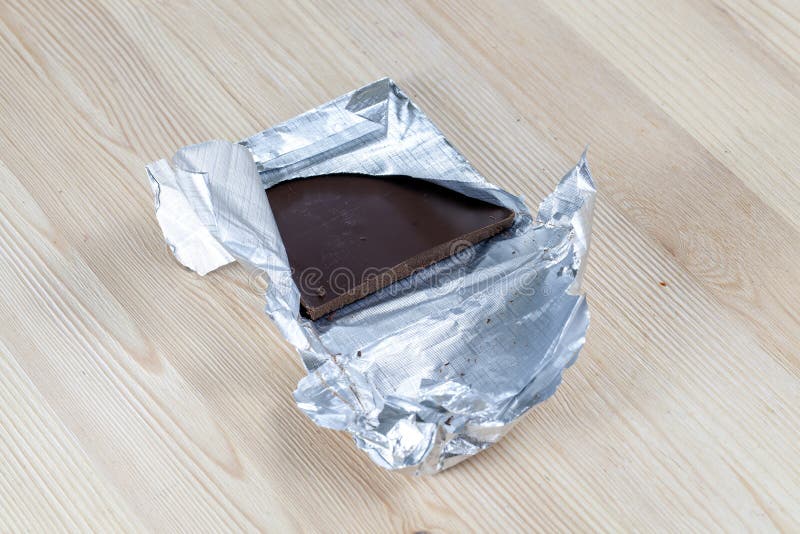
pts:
[436, 367]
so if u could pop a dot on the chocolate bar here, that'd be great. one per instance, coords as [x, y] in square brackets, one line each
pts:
[349, 235]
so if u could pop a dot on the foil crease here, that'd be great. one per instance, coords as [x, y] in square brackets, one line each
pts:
[434, 368]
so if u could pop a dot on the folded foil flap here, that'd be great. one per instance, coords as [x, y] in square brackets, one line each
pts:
[431, 369]
[181, 219]
[330, 129]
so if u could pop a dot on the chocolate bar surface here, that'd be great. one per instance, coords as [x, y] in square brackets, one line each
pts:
[349, 235]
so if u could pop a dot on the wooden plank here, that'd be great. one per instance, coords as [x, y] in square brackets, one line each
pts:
[734, 94]
[49, 483]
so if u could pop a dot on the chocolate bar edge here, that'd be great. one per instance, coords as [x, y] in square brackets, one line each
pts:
[404, 269]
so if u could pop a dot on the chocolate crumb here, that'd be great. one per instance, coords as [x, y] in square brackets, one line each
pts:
[662, 283]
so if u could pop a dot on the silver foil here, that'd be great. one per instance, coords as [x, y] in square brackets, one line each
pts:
[431, 369]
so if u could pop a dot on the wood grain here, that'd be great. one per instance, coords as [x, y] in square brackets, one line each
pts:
[135, 396]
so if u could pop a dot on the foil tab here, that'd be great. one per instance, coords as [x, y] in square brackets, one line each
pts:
[436, 367]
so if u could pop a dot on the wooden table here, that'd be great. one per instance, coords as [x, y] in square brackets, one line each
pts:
[137, 396]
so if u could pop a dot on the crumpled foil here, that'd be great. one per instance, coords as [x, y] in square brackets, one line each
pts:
[436, 367]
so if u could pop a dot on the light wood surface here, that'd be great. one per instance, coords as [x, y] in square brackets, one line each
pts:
[135, 395]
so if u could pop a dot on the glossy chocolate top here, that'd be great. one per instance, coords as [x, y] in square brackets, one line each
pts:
[340, 230]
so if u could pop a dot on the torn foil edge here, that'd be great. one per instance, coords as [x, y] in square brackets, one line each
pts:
[419, 376]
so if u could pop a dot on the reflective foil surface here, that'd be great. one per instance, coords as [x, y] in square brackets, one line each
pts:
[436, 367]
